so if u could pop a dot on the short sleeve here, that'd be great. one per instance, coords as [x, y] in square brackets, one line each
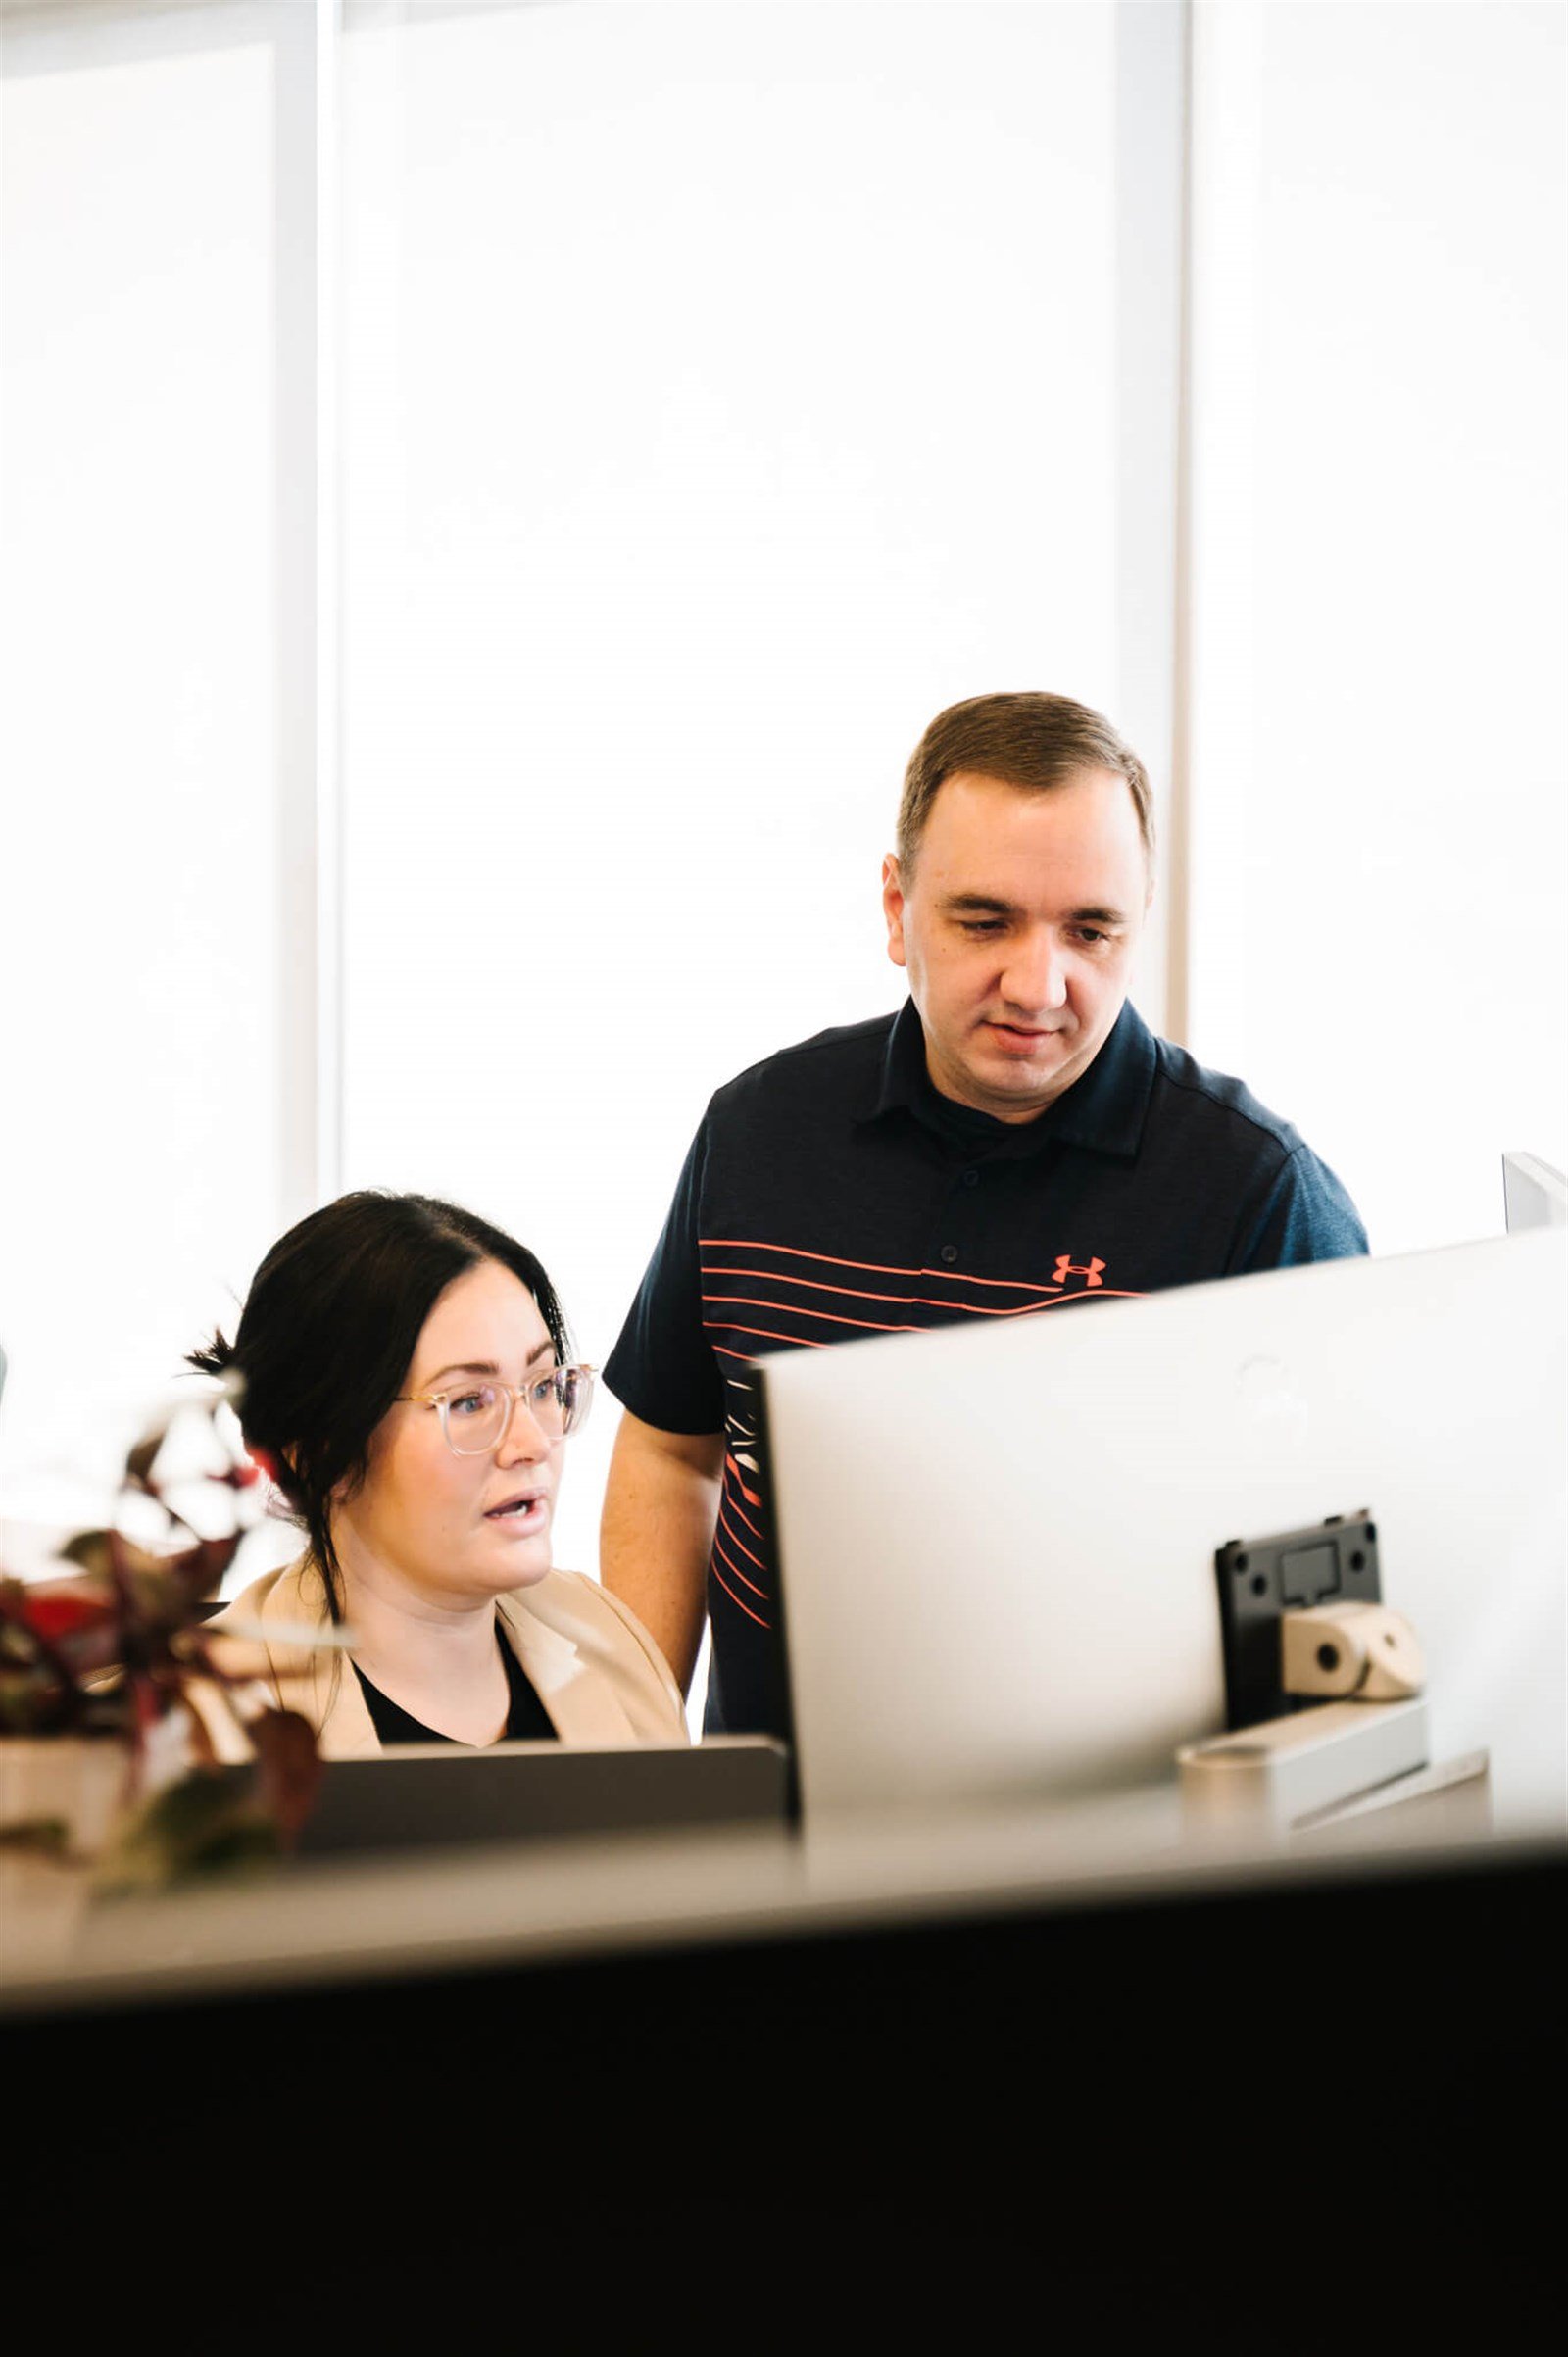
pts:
[1305, 1215]
[662, 1366]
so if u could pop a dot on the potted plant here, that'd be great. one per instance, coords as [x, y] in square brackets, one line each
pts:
[109, 1679]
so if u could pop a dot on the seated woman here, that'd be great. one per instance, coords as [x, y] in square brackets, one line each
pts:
[408, 1382]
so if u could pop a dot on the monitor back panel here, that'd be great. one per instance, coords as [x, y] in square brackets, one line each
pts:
[996, 1542]
[1535, 1195]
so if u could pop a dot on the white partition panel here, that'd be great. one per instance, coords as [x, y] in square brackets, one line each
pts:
[724, 390]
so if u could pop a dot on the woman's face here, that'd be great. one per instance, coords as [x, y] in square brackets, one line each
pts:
[448, 1529]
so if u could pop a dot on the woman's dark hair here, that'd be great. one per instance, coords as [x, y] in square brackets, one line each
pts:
[328, 1332]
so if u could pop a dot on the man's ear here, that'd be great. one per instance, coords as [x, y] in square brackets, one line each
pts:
[892, 908]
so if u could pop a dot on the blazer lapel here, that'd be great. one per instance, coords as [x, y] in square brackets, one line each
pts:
[322, 1686]
[583, 1708]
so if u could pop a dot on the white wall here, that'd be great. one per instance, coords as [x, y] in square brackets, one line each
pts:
[140, 990]
[1380, 756]
[725, 392]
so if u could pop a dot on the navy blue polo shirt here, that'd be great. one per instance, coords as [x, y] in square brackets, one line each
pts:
[831, 1192]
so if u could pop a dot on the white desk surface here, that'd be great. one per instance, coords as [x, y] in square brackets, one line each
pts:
[553, 1904]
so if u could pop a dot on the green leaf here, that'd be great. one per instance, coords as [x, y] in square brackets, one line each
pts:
[205, 1824]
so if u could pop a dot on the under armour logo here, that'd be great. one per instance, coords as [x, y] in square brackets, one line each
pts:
[1066, 1268]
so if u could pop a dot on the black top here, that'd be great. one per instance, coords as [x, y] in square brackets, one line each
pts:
[832, 1191]
[528, 1720]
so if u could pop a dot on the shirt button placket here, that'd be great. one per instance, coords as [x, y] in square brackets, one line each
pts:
[955, 1217]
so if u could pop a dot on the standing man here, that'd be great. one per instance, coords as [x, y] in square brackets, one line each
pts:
[1014, 1143]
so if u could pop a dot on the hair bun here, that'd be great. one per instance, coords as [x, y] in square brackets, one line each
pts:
[217, 1359]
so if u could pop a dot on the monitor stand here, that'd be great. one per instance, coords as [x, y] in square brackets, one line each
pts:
[1326, 1765]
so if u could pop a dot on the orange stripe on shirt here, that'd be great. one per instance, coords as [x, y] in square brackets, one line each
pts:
[906, 1300]
[879, 1268]
[815, 1341]
[752, 1300]
[736, 1541]
[735, 1600]
[807, 1342]
[732, 1463]
[731, 1565]
[859, 1293]
[741, 1510]
[1096, 1293]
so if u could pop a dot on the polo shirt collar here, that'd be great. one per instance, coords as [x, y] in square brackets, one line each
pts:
[1104, 1110]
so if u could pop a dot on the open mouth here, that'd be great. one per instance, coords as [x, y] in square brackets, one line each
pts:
[528, 1508]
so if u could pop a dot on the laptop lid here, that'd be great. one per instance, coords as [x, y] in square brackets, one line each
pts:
[433, 1796]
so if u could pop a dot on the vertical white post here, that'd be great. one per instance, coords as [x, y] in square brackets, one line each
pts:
[1177, 937]
[305, 63]
[1221, 395]
[1151, 41]
[328, 799]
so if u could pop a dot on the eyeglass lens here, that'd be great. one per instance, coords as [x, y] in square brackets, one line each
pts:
[476, 1418]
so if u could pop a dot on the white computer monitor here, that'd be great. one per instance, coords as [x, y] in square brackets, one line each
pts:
[1533, 1193]
[997, 1541]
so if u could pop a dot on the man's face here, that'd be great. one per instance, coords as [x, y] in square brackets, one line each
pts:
[1017, 930]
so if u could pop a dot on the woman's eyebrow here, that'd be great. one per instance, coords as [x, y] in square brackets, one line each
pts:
[488, 1366]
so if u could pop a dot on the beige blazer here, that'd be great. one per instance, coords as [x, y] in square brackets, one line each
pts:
[602, 1680]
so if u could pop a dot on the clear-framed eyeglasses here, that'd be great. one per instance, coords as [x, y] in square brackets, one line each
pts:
[478, 1417]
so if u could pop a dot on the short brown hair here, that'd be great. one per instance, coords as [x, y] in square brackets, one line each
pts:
[1028, 740]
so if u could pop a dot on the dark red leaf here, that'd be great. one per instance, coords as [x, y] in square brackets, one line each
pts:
[289, 1770]
[56, 1608]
